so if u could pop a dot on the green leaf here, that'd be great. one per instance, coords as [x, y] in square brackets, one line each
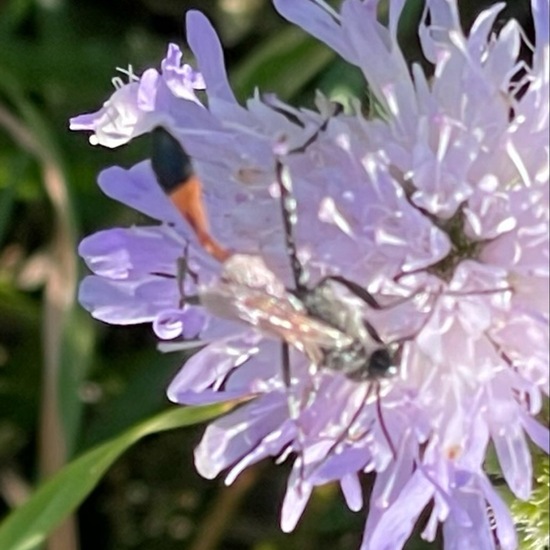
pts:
[76, 356]
[14, 167]
[55, 499]
[126, 387]
[284, 64]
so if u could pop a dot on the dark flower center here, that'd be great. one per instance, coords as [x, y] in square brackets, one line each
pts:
[462, 247]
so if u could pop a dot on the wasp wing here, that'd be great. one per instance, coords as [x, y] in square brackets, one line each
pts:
[250, 292]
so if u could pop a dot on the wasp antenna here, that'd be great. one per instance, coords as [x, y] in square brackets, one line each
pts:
[338, 108]
[355, 289]
[290, 217]
[288, 203]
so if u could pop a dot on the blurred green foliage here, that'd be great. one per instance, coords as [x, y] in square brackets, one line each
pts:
[68, 382]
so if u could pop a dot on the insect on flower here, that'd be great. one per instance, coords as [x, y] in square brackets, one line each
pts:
[315, 320]
[319, 318]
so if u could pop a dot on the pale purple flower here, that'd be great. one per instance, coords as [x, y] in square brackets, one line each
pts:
[439, 208]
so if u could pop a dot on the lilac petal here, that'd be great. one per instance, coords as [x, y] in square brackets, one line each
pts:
[386, 488]
[262, 372]
[381, 222]
[382, 63]
[318, 22]
[388, 482]
[448, 481]
[117, 121]
[205, 44]
[456, 537]
[296, 498]
[366, 446]
[338, 465]
[273, 445]
[231, 437]
[432, 525]
[169, 324]
[530, 354]
[500, 65]
[396, 522]
[123, 303]
[172, 323]
[478, 437]
[210, 396]
[541, 19]
[224, 328]
[440, 174]
[514, 457]
[505, 529]
[539, 434]
[137, 107]
[83, 122]
[488, 212]
[445, 15]
[481, 29]
[215, 367]
[194, 320]
[130, 253]
[148, 93]
[477, 534]
[138, 188]
[353, 493]
[209, 366]
[180, 78]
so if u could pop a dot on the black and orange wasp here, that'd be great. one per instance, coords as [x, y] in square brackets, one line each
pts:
[313, 319]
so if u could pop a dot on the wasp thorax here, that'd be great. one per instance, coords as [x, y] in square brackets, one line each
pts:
[362, 354]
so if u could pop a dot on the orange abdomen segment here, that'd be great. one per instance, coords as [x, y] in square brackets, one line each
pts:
[187, 198]
[174, 173]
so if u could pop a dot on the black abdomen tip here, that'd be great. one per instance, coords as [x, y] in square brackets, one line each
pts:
[171, 164]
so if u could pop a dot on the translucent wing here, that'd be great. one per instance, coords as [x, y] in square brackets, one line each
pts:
[249, 292]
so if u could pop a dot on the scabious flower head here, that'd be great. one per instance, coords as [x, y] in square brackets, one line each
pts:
[438, 208]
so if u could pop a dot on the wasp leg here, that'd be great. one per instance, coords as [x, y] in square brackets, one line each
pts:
[293, 404]
[345, 431]
[486, 292]
[191, 300]
[183, 270]
[363, 293]
[289, 215]
[383, 426]
[294, 408]
[353, 419]
[286, 364]
[337, 109]
[344, 435]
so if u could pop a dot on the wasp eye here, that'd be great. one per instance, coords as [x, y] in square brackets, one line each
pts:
[380, 363]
